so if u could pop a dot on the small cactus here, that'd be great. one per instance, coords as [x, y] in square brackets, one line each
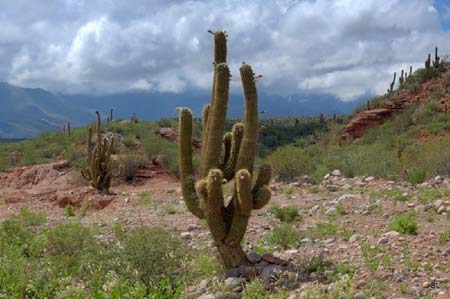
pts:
[224, 158]
[99, 172]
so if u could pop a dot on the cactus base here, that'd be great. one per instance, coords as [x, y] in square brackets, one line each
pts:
[232, 257]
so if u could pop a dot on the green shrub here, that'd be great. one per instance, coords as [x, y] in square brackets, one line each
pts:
[417, 176]
[161, 151]
[69, 211]
[290, 162]
[405, 223]
[444, 237]
[284, 236]
[131, 163]
[286, 214]
[70, 247]
[154, 253]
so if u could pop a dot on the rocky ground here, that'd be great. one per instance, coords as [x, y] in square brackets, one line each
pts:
[345, 223]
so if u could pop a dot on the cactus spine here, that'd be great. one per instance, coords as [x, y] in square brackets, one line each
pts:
[224, 158]
[99, 172]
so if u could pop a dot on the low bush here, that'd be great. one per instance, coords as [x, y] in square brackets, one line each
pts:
[70, 260]
[153, 252]
[405, 223]
[286, 214]
[284, 236]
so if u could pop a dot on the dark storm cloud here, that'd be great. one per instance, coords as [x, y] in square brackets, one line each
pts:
[346, 48]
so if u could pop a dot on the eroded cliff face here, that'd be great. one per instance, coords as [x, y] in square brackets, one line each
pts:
[395, 104]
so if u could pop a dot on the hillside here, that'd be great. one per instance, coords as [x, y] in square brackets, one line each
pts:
[27, 112]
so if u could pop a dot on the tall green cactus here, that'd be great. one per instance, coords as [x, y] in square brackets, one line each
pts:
[224, 158]
[99, 172]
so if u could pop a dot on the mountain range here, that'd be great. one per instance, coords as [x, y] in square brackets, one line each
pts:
[27, 112]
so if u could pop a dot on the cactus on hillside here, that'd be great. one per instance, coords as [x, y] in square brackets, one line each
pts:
[401, 79]
[428, 62]
[100, 169]
[437, 59]
[391, 86]
[224, 158]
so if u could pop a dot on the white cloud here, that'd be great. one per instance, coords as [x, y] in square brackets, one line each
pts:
[346, 48]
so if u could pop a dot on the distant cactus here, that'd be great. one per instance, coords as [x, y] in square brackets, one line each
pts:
[68, 129]
[410, 71]
[133, 119]
[391, 87]
[100, 170]
[227, 223]
[111, 115]
[437, 59]
[428, 62]
[401, 79]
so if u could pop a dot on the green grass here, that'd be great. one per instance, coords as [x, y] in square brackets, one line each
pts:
[444, 237]
[405, 223]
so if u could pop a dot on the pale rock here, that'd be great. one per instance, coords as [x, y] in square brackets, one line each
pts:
[186, 235]
[331, 211]
[369, 179]
[336, 172]
[234, 281]
[420, 209]
[347, 187]
[355, 238]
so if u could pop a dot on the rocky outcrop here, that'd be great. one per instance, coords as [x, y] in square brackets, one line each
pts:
[393, 105]
[364, 121]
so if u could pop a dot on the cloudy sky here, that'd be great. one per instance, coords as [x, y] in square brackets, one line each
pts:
[342, 47]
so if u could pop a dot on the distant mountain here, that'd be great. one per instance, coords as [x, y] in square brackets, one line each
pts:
[26, 112]
[153, 106]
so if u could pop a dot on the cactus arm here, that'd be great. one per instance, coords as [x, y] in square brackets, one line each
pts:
[264, 177]
[220, 46]
[214, 205]
[186, 168]
[229, 167]
[244, 195]
[248, 146]
[205, 114]
[237, 230]
[227, 143]
[261, 198]
[216, 119]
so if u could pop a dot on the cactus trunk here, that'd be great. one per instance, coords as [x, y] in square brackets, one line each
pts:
[225, 158]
